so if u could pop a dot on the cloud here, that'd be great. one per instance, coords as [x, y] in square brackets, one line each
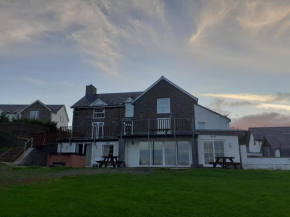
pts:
[251, 36]
[96, 29]
[272, 119]
[274, 106]
[40, 82]
[243, 96]
[213, 12]
[35, 81]
[277, 97]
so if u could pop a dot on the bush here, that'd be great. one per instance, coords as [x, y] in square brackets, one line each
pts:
[50, 124]
[3, 118]
[8, 140]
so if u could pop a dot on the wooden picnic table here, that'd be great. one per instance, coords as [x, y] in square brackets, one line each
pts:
[110, 161]
[222, 161]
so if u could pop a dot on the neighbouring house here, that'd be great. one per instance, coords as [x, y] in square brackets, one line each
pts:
[163, 126]
[37, 110]
[266, 147]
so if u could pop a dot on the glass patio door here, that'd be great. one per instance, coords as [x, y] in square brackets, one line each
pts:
[213, 149]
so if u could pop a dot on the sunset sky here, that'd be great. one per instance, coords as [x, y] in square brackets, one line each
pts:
[234, 55]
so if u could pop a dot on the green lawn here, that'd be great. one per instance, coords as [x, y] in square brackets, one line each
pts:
[199, 192]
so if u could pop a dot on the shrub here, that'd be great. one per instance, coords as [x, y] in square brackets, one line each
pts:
[3, 118]
[49, 124]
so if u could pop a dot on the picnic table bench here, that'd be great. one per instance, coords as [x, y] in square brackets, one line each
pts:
[222, 161]
[110, 161]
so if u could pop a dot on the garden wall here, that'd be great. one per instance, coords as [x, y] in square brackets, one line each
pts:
[248, 162]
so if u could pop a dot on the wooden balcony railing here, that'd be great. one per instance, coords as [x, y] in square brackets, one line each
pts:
[161, 126]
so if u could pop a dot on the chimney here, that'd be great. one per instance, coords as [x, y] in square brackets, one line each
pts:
[90, 90]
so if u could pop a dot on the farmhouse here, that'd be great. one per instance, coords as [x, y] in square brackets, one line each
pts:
[163, 126]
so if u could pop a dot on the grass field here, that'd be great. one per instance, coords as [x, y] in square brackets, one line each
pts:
[199, 192]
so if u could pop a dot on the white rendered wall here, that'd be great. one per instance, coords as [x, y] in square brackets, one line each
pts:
[56, 118]
[254, 146]
[281, 163]
[97, 149]
[132, 153]
[66, 148]
[212, 121]
[231, 148]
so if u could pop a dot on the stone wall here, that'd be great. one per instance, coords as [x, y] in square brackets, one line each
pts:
[44, 113]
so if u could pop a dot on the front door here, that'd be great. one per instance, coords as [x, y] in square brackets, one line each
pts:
[88, 154]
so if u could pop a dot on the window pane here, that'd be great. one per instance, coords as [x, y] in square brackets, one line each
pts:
[129, 110]
[183, 153]
[143, 153]
[157, 153]
[219, 148]
[163, 105]
[108, 150]
[208, 152]
[170, 153]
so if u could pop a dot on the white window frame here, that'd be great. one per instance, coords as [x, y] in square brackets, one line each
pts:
[163, 155]
[34, 114]
[129, 110]
[109, 149]
[214, 154]
[165, 105]
[96, 113]
[96, 129]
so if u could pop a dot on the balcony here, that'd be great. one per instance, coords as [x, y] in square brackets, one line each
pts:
[160, 126]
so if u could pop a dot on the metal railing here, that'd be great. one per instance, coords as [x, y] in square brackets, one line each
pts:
[159, 126]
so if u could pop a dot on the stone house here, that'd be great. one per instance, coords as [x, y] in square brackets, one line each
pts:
[37, 110]
[163, 126]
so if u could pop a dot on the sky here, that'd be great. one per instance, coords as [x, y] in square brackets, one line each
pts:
[234, 55]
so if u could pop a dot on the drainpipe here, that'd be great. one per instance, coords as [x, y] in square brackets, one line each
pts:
[148, 143]
[174, 126]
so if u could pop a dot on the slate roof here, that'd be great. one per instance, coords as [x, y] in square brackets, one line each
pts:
[277, 141]
[13, 108]
[275, 136]
[112, 99]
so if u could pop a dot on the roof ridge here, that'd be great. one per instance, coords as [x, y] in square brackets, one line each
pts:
[121, 92]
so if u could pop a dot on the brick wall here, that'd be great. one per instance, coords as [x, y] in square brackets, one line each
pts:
[84, 117]
[181, 105]
[44, 113]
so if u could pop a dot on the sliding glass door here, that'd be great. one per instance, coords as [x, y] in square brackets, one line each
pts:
[164, 153]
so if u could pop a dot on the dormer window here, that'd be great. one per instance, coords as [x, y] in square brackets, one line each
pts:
[163, 106]
[99, 113]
